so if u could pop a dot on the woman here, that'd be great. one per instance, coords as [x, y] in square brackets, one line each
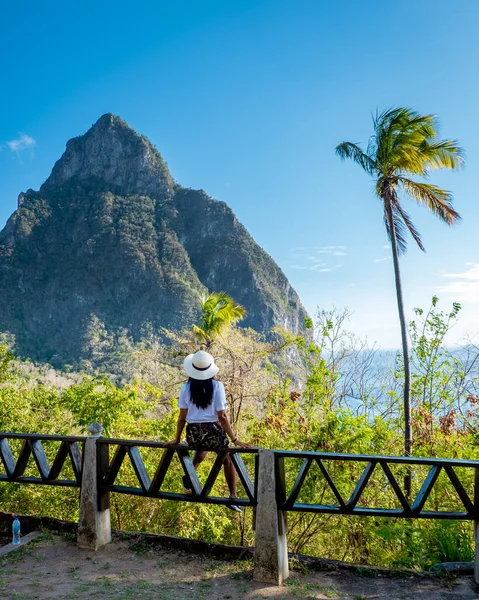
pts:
[202, 406]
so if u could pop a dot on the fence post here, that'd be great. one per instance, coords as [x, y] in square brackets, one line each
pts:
[94, 528]
[271, 548]
[476, 525]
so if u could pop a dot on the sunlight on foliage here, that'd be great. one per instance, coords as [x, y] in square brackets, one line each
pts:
[327, 391]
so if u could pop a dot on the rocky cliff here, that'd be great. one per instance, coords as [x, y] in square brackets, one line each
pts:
[110, 238]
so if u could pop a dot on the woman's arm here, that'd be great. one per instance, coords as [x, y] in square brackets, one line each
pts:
[180, 424]
[225, 423]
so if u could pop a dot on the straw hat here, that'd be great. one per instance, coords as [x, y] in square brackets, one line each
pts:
[200, 365]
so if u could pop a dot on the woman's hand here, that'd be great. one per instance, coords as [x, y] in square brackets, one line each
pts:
[172, 443]
[240, 444]
[179, 428]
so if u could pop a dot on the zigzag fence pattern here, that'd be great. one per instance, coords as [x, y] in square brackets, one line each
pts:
[468, 505]
[152, 487]
[32, 446]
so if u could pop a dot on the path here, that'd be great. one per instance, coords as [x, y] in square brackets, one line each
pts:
[52, 567]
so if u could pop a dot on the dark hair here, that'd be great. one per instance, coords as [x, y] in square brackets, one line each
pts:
[201, 392]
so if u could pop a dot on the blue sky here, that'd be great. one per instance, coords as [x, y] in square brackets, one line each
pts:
[248, 100]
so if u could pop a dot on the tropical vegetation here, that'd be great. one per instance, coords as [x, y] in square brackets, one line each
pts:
[218, 312]
[325, 391]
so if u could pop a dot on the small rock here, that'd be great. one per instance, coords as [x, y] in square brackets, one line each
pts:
[453, 567]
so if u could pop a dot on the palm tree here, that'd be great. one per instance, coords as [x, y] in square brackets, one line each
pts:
[219, 311]
[405, 144]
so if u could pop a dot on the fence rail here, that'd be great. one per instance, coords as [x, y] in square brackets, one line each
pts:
[413, 508]
[69, 447]
[153, 487]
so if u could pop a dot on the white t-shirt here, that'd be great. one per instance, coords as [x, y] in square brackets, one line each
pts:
[203, 415]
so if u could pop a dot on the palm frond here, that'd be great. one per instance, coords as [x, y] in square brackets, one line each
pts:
[400, 124]
[390, 116]
[399, 230]
[401, 136]
[200, 333]
[385, 126]
[436, 199]
[413, 123]
[372, 146]
[218, 312]
[406, 120]
[406, 158]
[443, 154]
[409, 224]
[354, 152]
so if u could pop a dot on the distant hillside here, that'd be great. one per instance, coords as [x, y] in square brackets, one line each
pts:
[111, 241]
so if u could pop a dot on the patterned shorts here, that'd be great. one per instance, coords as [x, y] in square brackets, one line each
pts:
[206, 435]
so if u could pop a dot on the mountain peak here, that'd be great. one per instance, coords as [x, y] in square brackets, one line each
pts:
[113, 125]
[113, 153]
[111, 118]
[112, 248]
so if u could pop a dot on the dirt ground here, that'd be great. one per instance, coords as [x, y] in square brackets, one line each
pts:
[52, 567]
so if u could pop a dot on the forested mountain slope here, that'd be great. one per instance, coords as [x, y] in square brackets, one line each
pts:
[111, 242]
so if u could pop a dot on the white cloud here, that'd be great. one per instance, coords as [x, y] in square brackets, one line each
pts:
[299, 267]
[382, 259]
[334, 250]
[313, 262]
[314, 267]
[319, 261]
[387, 246]
[329, 269]
[465, 287]
[469, 275]
[302, 254]
[320, 249]
[23, 142]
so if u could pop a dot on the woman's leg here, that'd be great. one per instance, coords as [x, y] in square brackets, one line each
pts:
[230, 475]
[198, 458]
[230, 472]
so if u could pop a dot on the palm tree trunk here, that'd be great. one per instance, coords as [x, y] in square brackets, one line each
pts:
[405, 350]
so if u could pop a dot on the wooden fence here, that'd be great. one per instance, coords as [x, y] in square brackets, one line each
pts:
[273, 484]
